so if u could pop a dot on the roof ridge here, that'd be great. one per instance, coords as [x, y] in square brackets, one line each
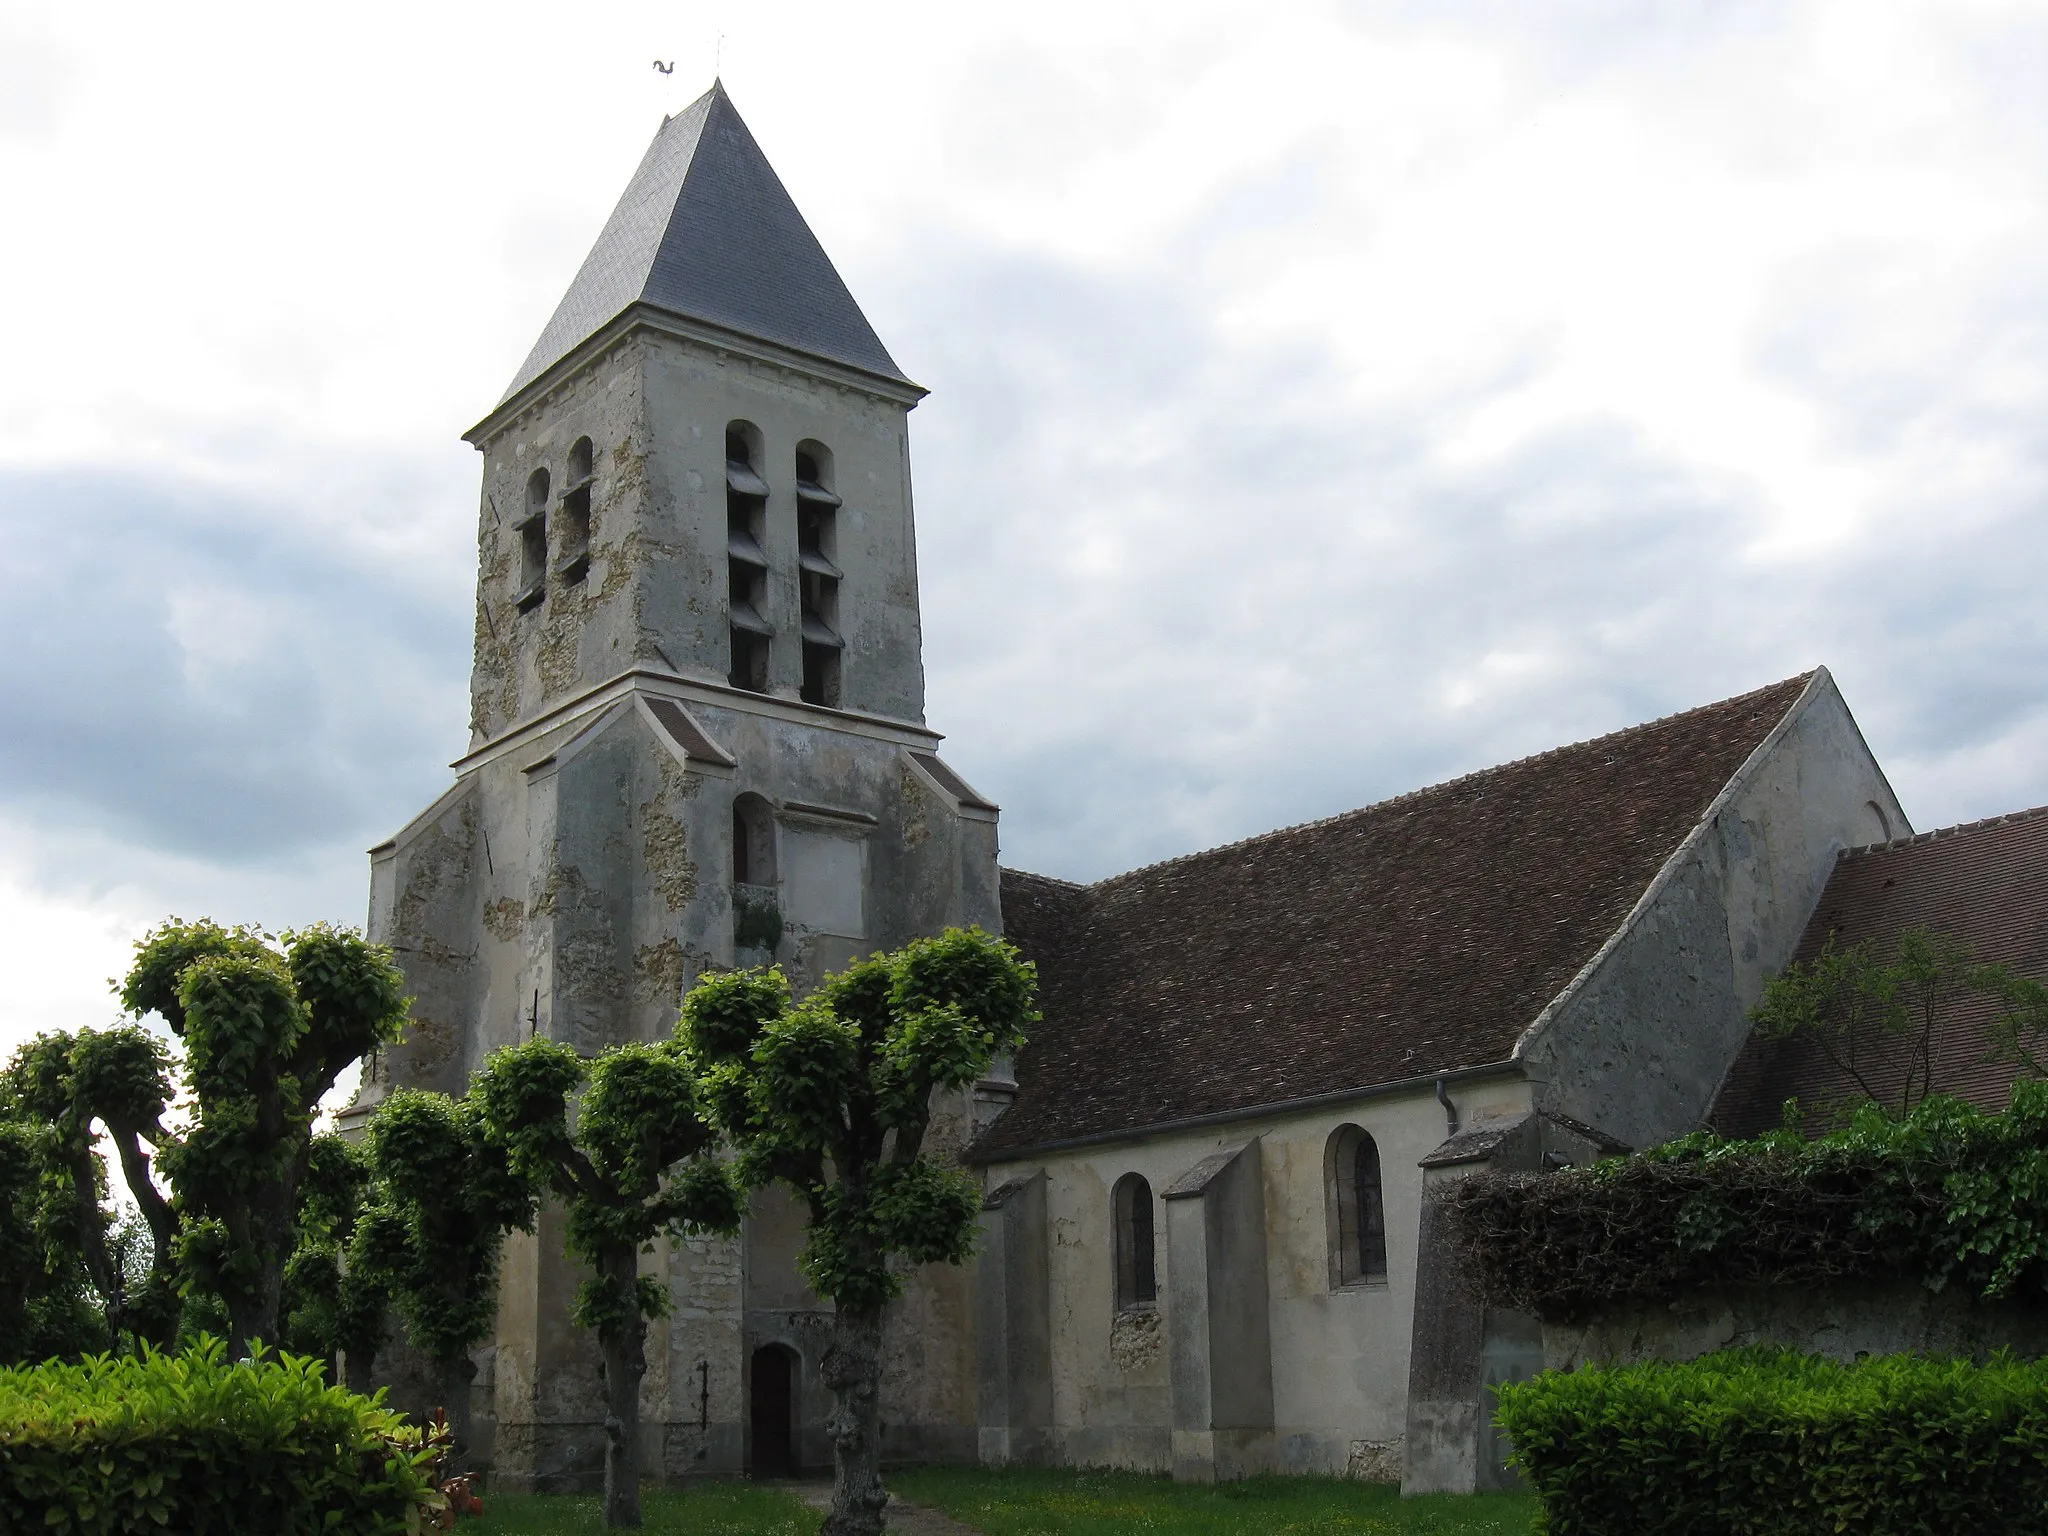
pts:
[1444, 784]
[1030, 874]
[1980, 825]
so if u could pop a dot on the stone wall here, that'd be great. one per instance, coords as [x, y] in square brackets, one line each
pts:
[1122, 1388]
[1842, 1321]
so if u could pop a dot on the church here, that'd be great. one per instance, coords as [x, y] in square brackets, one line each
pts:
[697, 740]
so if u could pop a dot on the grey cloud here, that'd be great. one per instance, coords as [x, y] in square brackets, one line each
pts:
[1295, 589]
[202, 676]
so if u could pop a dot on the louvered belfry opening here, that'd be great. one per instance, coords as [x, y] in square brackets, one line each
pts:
[533, 543]
[746, 529]
[818, 575]
[574, 534]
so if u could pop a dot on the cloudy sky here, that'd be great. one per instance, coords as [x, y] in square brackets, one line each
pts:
[1327, 398]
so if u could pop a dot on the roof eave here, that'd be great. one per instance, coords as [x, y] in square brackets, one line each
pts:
[978, 1153]
[642, 316]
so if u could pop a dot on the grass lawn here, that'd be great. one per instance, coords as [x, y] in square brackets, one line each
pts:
[709, 1509]
[1034, 1502]
[1030, 1502]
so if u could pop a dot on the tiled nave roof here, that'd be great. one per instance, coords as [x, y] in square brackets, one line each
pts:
[1416, 936]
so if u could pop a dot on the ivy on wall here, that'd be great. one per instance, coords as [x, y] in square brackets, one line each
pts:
[1947, 1195]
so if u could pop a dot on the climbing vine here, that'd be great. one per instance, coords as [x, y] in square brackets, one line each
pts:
[1946, 1195]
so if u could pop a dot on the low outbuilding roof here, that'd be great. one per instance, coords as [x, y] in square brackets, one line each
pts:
[1986, 883]
[1414, 937]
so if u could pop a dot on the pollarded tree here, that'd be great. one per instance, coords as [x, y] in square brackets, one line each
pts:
[46, 1300]
[266, 1031]
[119, 1078]
[833, 1097]
[333, 1307]
[636, 1163]
[444, 1198]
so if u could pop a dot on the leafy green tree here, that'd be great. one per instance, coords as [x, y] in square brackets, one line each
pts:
[1872, 1016]
[334, 1308]
[266, 1032]
[636, 1163]
[832, 1096]
[46, 1302]
[63, 1085]
[445, 1196]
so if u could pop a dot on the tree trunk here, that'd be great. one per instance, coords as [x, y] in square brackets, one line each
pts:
[252, 1315]
[853, 1372]
[625, 1362]
[457, 1377]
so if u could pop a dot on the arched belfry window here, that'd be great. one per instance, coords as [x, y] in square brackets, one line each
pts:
[574, 534]
[1358, 1209]
[818, 575]
[1137, 1277]
[746, 544]
[533, 542]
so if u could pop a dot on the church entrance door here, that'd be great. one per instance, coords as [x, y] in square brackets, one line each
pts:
[774, 1417]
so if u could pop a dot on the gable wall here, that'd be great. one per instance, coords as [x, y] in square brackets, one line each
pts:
[1640, 1042]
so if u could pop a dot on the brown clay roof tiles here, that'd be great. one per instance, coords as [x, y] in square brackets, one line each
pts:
[1985, 883]
[1417, 936]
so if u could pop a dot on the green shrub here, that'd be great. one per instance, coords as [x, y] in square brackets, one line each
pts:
[1776, 1443]
[1946, 1195]
[193, 1445]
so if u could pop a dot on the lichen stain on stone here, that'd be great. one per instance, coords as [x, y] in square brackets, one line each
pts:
[555, 662]
[504, 918]
[917, 801]
[665, 847]
[586, 968]
[494, 690]
[429, 1046]
[659, 971]
[438, 858]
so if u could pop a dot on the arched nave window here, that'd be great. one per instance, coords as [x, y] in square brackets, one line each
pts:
[1137, 1282]
[1358, 1209]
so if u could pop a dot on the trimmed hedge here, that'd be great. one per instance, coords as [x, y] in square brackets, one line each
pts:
[1777, 1443]
[1946, 1196]
[193, 1445]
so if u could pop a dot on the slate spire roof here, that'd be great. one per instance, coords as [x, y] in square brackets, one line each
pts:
[706, 230]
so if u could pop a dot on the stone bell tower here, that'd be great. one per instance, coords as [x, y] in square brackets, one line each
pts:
[697, 740]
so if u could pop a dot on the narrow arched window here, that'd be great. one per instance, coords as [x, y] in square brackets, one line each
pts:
[756, 906]
[818, 574]
[1137, 1283]
[574, 535]
[746, 535]
[753, 841]
[533, 542]
[1358, 1210]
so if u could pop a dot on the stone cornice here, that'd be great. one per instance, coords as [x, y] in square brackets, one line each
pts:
[646, 317]
[687, 690]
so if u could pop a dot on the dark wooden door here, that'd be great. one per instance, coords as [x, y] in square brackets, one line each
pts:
[774, 1385]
